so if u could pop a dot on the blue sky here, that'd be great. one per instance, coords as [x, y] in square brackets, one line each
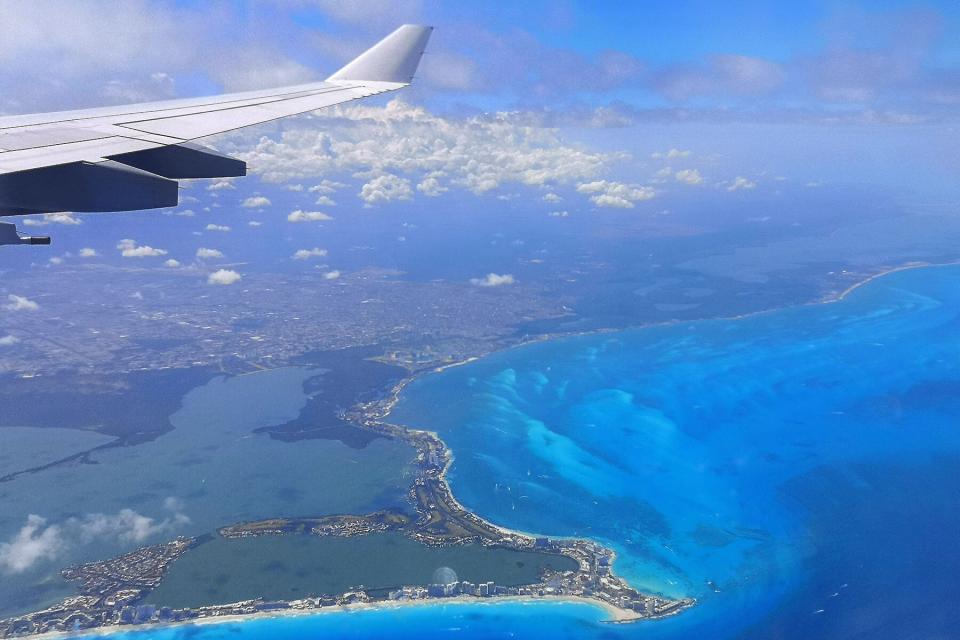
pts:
[781, 60]
[569, 108]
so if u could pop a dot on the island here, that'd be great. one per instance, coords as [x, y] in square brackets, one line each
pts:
[116, 591]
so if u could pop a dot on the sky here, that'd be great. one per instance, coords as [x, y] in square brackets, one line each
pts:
[577, 108]
[898, 61]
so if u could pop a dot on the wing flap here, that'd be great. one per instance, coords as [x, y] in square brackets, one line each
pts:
[84, 186]
[182, 161]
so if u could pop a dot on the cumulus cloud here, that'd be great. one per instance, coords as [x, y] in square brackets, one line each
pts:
[326, 201]
[331, 275]
[399, 143]
[255, 223]
[326, 187]
[204, 253]
[256, 202]
[52, 218]
[34, 542]
[551, 197]
[385, 188]
[127, 526]
[672, 154]
[217, 227]
[688, 176]
[430, 185]
[220, 185]
[20, 303]
[88, 252]
[741, 183]
[307, 254]
[493, 280]
[604, 193]
[223, 277]
[173, 264]
[308, 216]
[558, 214]
[8, 340]
[130, 249]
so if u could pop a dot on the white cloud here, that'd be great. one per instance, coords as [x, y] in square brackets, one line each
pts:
[256, 202]
[741, 183]
[56, 260]
[220, 185]
[217, 227]
[20, 303]
[672, 154]
[308, 216]
[688, 176]
[551, 197]
[127, 526]
[385, 188]
[38, 541]
[326, 201]
[173, 264]
[331, 275]
[604, 193]
[326, 187]
[662, 175]
[430, 185]
[88, 252]
[306, 254]
[224, 277]
[558, 214]
[9, 340]
[493, 280]
[255, 223]
[204, 253]
[35, 541]
[186, 213]
[399, 143]
[129, 249]
[52, 218]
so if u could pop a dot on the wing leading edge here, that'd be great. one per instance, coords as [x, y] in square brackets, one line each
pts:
[129, 157]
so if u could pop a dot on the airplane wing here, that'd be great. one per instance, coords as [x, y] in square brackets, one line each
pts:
[130, 157]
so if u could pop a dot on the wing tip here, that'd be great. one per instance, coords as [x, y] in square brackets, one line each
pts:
[393, 59]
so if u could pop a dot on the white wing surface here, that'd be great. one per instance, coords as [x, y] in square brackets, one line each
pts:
[130, 157]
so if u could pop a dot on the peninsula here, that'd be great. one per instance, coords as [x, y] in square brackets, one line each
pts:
[117, 591]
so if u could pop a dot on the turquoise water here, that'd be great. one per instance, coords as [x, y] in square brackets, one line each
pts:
[797, 472]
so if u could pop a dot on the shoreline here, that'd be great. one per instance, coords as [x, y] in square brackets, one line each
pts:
[376, 413]
[617, 616]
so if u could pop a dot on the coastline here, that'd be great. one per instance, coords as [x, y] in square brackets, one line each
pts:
[617, 616]
[829, 298]
[379, 413]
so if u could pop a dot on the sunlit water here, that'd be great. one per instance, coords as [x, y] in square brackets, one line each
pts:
[796, 471]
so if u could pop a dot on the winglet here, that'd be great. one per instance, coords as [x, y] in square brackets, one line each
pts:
[393, 59]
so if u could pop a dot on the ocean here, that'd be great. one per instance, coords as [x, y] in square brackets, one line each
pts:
[796, 471]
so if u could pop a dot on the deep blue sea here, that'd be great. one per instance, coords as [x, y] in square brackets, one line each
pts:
[798, 472]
